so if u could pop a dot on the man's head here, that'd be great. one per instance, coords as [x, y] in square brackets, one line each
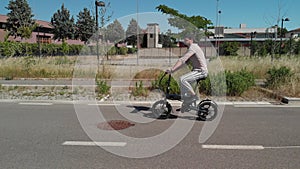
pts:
[188, 40]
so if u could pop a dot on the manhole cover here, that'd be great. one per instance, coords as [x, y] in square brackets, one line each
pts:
[115, 125]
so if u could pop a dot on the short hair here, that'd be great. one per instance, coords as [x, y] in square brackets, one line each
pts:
[190, 37]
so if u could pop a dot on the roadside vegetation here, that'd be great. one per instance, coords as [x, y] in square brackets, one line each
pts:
[280, 75]
[34, 67]
[277, 65]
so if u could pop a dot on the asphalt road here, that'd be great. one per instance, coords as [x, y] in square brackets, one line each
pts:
[32, 136]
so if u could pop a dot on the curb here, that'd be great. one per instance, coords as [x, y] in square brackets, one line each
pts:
[92, 102]
[276, 96]
[291, 100]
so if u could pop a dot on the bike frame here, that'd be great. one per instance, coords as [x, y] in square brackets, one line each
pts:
[178, 97]
[203, 109]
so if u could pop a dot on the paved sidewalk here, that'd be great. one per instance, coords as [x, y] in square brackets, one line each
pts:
[61, 89]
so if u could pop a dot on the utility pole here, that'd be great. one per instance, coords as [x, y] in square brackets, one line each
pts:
[280, 47]
[98, 4]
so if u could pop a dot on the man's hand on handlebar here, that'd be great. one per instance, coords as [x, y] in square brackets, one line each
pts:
[168, 71]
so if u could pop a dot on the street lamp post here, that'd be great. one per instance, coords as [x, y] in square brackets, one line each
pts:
[282, 20]
[291, 38]
[252, 35]
[39, 40]
[97, 4]
[218, 31]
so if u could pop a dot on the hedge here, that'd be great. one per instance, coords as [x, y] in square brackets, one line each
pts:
[14, 49]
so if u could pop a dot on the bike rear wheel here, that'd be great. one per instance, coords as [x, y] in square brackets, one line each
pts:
[207, 110]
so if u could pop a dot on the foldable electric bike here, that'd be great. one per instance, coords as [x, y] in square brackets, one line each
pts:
[206, 110]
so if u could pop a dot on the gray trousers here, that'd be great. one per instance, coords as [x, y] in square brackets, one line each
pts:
[190, 79]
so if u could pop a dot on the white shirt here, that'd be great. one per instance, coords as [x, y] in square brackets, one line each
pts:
[196, 56]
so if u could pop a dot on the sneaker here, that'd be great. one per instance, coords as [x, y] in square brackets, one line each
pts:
[187, 103]
[190, 99]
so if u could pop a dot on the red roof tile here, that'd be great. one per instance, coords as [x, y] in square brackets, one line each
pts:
[295, 30]
[45, 24]
[3, 18]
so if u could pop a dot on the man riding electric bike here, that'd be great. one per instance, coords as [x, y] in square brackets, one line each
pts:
[196, 57]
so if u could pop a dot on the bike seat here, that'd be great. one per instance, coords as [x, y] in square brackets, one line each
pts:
[198, 80]
[173, 97]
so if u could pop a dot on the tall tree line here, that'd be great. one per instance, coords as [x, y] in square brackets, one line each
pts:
[21, 23]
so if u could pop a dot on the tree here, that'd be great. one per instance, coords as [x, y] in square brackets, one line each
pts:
[85, 25]
[64, 26]
[133, 28]
[133, 34]
[20, 19]
[177, 19]
[297, 47]
[115, 31]
[189, 24]
[230, 48]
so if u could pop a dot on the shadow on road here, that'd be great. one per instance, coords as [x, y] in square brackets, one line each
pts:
[146, 112]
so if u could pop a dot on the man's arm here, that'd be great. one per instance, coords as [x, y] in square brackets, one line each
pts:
[182, 60]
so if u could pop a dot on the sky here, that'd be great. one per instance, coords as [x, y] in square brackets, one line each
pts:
[254, 13]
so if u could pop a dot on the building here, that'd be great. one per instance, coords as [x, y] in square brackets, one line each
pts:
[246, 36]
[42, 34]
[243, 34]
[295, 34]
[152, 35]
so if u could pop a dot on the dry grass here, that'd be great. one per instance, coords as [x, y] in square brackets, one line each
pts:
[260, 65]
[148, 74]
[33, 67]
[63, 67]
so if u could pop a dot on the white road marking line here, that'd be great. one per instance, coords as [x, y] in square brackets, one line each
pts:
[37, 104]
[267, 106]
[283, 147]
[104, 104]
[234, 147]
[251, 103]
[91, 143]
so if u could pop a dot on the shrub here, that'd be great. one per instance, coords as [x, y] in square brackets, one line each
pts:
[75, 49]
[151, 73]
[236, 83]
[102, 87]
[120, 51]
[278, 76]
[64, 49]
[214, 85]
[132, 50]
[123, 51]
[140, 90]
[174, 87]
[112, 51]
[230, 48]
[10, 49]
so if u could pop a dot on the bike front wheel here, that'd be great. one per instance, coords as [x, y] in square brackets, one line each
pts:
[161, 108]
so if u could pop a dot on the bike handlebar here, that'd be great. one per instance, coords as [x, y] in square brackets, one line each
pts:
[168, 82]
